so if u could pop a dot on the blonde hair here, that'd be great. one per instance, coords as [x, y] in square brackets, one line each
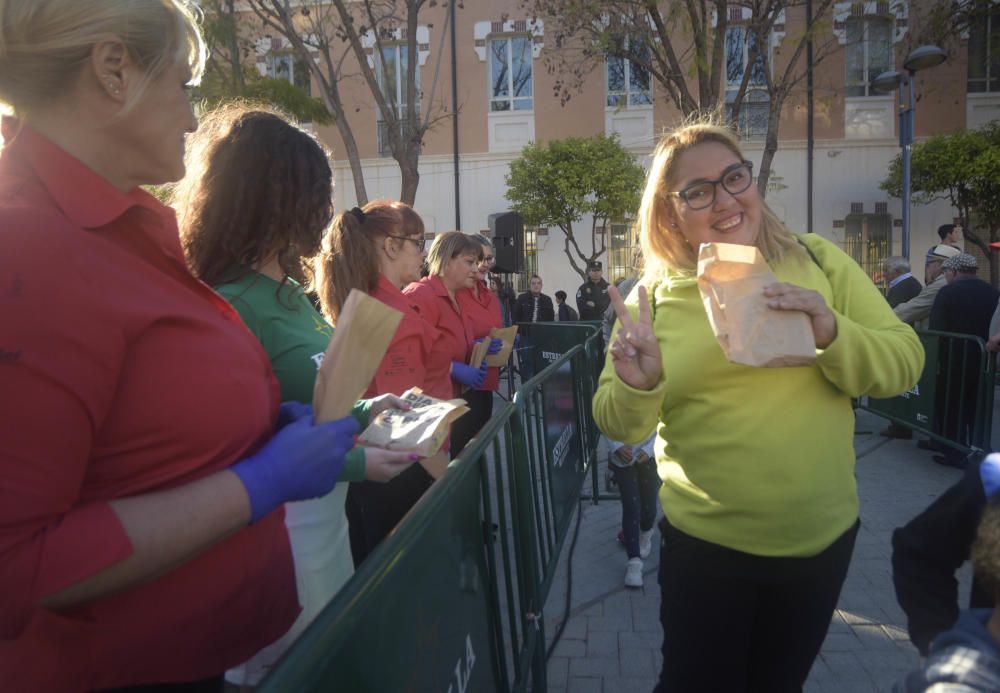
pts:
[664, 249]
[45, 43]
[449, 245]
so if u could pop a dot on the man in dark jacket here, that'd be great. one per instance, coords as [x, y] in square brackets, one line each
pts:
[964, 306]
[592, 297]
[533, 305]
[902, 284]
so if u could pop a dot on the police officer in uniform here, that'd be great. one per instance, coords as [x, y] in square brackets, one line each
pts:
[592, 297]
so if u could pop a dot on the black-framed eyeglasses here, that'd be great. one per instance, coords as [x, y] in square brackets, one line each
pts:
[418, 241]
[488, 259]
[735, 179]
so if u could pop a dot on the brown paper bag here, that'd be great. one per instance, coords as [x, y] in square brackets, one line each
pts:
[507, 335]
[479, 353]
[731, 279]
[421, 430]
[364, 331]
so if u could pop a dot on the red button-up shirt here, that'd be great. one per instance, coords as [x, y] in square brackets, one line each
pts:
[455, 340]
[411, 359]
[482, 314]
[120, 374]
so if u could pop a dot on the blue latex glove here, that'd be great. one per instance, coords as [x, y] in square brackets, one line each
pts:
[989, 472]
[291, 411]
[301, 461]
[468, 375]
[496, 344]
[517, 341]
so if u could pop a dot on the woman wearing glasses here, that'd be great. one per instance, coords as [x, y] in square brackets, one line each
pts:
[379, 249]
[481, 312]
[759, 497]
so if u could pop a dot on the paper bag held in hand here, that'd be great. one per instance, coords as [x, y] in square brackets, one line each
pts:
[365, 328]
[507, 335]
[731, 279]
[421, 430]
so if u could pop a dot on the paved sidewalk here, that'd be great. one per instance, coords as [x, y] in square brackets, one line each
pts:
[612, 638]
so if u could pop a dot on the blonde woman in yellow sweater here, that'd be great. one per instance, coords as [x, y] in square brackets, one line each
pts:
[759, 497]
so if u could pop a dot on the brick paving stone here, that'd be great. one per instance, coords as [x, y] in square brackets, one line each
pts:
[602, 643]
[570, 648]
[585, 685]
[637, 662]
[557, 671]
[594, 666]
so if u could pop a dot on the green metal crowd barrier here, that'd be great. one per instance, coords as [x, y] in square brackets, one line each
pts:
[953, 401]
[453, 599]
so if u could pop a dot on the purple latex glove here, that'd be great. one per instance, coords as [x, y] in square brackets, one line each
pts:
[496, 344]
[301, 461]
[468, 375]
[989, 472]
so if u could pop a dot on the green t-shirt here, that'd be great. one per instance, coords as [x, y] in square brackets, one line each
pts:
[295, 337]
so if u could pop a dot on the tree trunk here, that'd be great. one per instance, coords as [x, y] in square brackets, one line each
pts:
[770, 146]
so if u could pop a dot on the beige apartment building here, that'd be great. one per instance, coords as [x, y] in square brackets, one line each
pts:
[506, 99]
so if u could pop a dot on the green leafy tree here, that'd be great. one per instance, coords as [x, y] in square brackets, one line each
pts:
[682, 48]
[557, 185]
[228, 74]
[964, 169]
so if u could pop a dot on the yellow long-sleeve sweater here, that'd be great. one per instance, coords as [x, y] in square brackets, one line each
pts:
[761, 460]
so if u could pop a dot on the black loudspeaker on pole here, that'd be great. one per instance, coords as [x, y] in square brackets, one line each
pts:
[507, 229]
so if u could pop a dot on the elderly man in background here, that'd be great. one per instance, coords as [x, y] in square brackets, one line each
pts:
[964, 306]
[917, 310]
[903, 286]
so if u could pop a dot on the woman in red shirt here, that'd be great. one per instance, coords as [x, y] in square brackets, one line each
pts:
[452, 261]
[378, 250]
[141, 536]
[481, 312]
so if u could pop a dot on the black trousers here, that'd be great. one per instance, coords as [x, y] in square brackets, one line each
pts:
[466, 427]
[737, 622]
[374, 509]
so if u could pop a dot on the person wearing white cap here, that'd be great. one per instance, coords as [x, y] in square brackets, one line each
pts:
[917, 310]
[964, 306]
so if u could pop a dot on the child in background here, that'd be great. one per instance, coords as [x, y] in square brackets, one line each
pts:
[635, 474]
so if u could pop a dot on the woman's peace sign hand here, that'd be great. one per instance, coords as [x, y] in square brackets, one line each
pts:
[634, 350]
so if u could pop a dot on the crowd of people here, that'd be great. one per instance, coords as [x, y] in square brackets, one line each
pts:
[172, 516]
[171, 513]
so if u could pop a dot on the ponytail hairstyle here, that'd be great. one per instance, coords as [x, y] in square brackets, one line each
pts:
[349, 258]
[257, 187]
[664, 249]
[44, 44]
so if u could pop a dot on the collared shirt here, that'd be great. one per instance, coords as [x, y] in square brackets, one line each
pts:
[899, 279]
[411, 359]
[482, 313]
[121, 374]
[436, 307]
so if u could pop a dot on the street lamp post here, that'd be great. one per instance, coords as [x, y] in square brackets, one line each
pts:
[905, 84]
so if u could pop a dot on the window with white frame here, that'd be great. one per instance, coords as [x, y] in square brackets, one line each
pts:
[391, 72]
[510, 73]
[621, 243]
[984, 50]
[868, 239]
[755, 107]
[289, 67]
[627, 81]
[869, 52]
